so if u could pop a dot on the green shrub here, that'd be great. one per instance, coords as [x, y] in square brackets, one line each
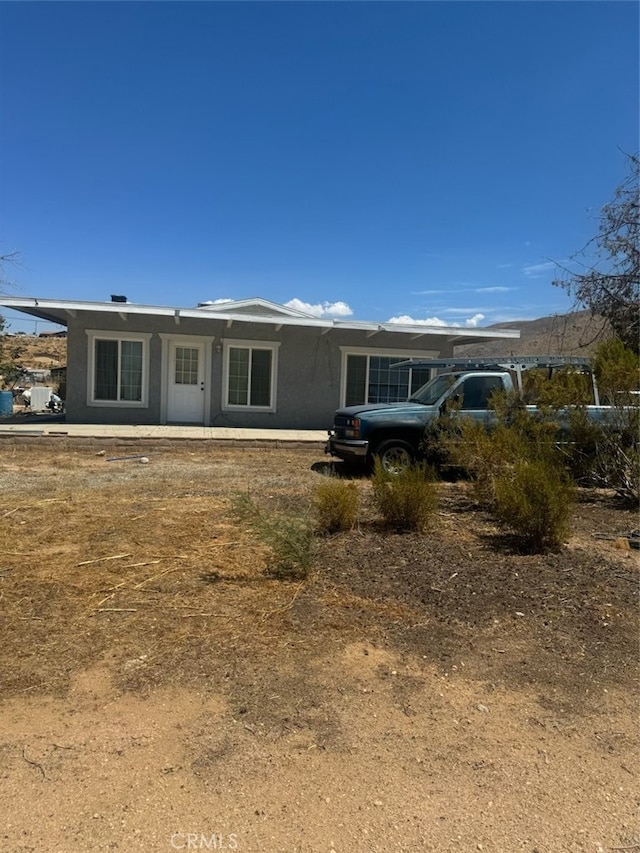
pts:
[567, 386]
[292, 545]
[534, 499]
[406, 501]
[336, 505]
[617, 370]
[465, 444]
[289, 538]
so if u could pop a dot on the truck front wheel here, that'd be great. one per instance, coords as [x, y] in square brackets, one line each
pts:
[395, 455]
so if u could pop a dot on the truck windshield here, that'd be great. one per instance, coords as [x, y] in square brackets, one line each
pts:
[430, 393]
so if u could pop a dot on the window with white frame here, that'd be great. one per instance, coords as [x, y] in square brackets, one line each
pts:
[368, 377]
[118, 369]
[250, 375]
[186, 367]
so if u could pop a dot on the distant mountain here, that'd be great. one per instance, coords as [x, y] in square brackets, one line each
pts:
[560, 334]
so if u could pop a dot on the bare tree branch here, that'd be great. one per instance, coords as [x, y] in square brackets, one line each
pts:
[610, 285]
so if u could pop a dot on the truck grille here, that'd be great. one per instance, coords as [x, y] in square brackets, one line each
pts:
[339, 425]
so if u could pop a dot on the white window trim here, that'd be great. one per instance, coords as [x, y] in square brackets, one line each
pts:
[227, 344]
[372, 351]
[137, 337]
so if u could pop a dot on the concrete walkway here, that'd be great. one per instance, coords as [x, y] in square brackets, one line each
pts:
[137, 431]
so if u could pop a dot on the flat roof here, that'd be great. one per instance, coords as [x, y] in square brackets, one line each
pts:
[61, 311]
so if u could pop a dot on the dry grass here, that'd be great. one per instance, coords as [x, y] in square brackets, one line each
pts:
[144, 574]
[141, 560]
[144, 567]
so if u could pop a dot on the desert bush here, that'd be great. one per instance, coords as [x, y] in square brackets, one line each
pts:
[567, 386]
[534, 499]
[580, 446]
[11, 370]
[290, 538]
[292, 545]
[606, 454]
[617, 371]
[406, 501]
[485, 452]
[336, 505]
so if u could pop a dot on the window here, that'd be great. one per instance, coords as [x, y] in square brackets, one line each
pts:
[477, 390]
[250, 370]
[370, 378]
[117, 369]
[186, 370]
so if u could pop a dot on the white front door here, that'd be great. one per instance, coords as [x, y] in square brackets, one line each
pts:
[186, 394]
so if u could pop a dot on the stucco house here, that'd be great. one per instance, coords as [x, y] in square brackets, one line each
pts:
[243, 363]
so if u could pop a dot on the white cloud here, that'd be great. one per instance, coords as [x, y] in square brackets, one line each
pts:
[321, 309]
[406, 320]
[536, 270]
[338, 309]
[472, 322]
[494, 289]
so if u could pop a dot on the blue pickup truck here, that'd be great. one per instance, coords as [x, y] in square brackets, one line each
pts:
[393, 431]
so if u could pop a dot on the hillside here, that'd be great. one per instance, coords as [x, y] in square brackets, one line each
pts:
[560, 334]
[35, 352]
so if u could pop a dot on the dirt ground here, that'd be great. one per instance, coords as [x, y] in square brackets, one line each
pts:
[435, 691]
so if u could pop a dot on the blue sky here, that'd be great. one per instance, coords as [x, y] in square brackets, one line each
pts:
[425, 160]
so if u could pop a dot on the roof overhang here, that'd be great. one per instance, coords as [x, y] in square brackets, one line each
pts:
[62, 311]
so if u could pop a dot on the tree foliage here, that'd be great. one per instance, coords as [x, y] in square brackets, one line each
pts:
[617, 370]
[609, 283]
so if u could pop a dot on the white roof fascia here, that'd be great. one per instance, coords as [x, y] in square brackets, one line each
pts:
[43, 307]
[33, 305]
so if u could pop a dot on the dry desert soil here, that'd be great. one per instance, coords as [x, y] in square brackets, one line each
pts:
[436, 691]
